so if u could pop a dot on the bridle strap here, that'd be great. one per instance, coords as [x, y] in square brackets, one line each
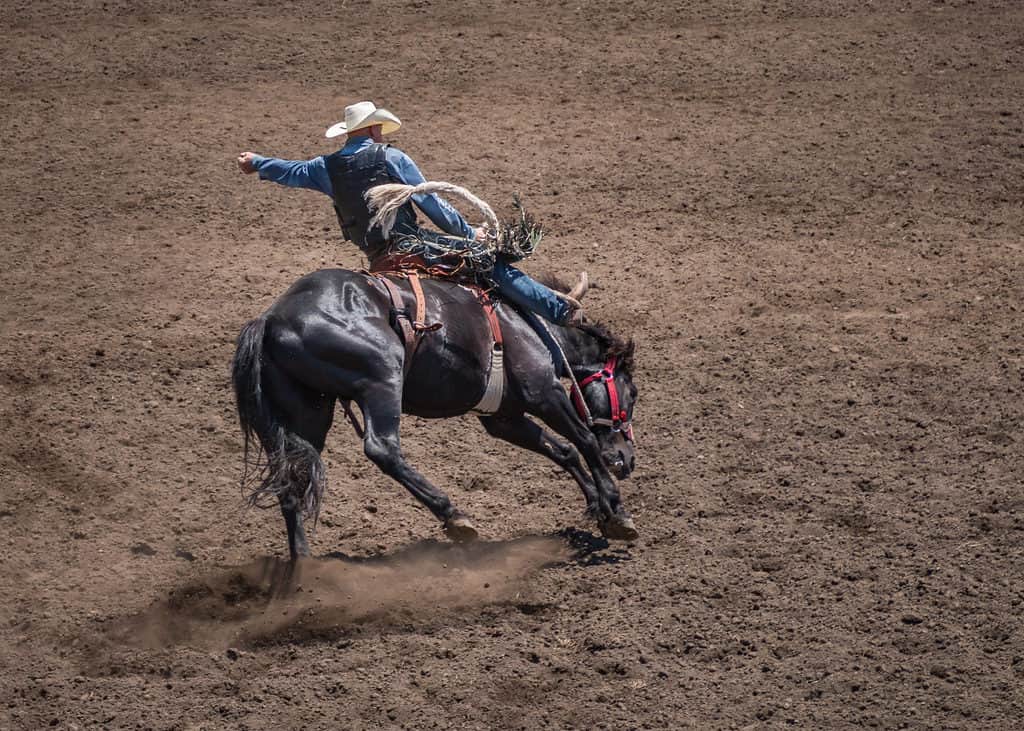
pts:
[579, 402]
[618, 420]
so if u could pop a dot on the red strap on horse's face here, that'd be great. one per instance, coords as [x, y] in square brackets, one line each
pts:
[618, 418]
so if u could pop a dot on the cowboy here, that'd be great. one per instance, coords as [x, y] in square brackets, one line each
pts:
[364, 162]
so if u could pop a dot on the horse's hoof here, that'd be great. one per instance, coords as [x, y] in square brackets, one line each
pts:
[460, 529]
[619, 528]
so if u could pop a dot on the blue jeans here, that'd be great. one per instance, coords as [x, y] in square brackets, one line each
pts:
[521, 290]
[512, 284]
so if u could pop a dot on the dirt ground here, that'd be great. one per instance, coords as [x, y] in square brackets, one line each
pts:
[808, 215]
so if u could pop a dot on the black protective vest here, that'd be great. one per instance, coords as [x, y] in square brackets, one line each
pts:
[353, 175]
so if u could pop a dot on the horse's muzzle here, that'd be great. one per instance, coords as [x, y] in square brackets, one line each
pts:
[621, 466]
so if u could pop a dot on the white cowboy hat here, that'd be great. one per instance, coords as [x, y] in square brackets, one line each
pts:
[362, 115]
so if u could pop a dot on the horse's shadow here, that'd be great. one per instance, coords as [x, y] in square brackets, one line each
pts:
[581, 548]
[589, 550]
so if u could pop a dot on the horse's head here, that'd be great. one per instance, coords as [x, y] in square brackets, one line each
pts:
[610, 394]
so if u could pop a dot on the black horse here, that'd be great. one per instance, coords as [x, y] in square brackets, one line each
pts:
[332, 337]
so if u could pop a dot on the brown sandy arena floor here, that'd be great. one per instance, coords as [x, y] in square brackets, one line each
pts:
[807, 213]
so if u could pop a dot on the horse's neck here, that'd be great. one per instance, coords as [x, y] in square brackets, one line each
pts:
[583, 351]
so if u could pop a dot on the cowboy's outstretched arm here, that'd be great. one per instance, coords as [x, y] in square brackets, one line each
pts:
[437, 209]
[310, 174]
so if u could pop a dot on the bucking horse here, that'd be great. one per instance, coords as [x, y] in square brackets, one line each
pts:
[341, 337]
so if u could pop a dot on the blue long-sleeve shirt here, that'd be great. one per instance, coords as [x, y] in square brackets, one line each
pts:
[312, 174]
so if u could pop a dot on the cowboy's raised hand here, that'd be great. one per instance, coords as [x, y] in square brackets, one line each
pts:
[245, 162]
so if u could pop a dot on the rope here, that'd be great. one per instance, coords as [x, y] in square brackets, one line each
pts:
[386, 199]
[575, 387]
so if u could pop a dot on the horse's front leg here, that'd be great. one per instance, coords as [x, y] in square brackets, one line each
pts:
[557, 412]
[522, 432]
[382, 414]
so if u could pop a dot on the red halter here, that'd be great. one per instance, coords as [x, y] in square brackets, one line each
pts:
[619, 420]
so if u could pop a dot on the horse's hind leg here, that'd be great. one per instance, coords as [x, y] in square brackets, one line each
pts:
[306, 417]
[297, 543]
[382, 412]
[524, 433]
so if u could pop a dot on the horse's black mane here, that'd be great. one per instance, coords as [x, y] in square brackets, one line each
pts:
[611, 344]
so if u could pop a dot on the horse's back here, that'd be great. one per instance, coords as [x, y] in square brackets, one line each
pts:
[327, 290]
[336, 324]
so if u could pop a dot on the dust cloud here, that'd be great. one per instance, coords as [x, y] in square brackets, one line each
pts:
[271, 600]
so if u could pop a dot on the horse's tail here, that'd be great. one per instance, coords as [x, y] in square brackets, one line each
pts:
[286, 464]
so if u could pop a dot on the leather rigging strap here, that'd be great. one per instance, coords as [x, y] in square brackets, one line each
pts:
[492, 317]
[413, 328]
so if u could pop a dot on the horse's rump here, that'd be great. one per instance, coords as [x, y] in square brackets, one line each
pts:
[286, 466]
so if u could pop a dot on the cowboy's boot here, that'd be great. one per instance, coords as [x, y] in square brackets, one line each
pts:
[572, 298]
[580, 288]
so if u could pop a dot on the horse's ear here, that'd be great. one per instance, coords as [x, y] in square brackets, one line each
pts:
[630, 350]
[626, 355]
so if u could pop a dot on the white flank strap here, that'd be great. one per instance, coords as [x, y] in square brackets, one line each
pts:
[495, 390]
